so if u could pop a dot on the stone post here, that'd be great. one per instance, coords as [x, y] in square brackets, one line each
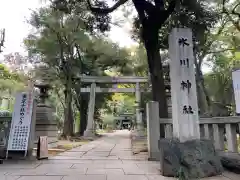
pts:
[138, 110]
[89, 132]
[183, 85]
[153, 130]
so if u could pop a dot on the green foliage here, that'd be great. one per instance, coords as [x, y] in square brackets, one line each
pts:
[108, 120]
[223, 62]
[66, 47]
[10, 83]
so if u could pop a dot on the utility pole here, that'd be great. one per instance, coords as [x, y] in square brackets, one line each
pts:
[2, 38]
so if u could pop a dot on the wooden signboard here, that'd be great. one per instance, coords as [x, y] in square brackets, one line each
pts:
[42, 148]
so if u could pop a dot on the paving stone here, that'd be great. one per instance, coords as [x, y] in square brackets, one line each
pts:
[217, 178]
[67, 172]
[67, 161]
[22, 162]
[150, 170]
[85, 177]
[119, 165]
[77, 166]
[98, 158]
[27, 172]
[19, 166]
[133, 171]
[231, 175]
[105, 171]
[54, 166]
[107, 161]
[128, 162]
[159, 177]
[40, 178]
[97, 154]
[101, 151]
[148, 166]
[127, 177]
[3, 172]
[77, 150]
[72, 154]
[64, 158]
[9, 177]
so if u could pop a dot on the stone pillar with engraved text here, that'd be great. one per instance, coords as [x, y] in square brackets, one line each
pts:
[183, 85]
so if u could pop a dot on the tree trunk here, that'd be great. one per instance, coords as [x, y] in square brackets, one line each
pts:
[201, 83]
[201, 99]
[156, 70]
[83, 113]
[68, 113]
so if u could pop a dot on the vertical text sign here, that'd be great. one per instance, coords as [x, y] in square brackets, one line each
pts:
[236, 88]
[183, 85]
[21, 122]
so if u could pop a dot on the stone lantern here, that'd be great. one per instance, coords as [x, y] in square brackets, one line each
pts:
[46, 124]
[44, 88]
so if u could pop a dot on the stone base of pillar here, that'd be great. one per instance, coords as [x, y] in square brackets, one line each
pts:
[46, 125]
[192, 159]
[139, 133]
[89, 133]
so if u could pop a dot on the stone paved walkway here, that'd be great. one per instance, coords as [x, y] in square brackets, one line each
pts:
[108, 158]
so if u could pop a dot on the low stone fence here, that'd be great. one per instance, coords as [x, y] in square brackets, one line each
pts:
[224, 131]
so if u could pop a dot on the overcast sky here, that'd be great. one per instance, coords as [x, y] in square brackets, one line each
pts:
[13, 15]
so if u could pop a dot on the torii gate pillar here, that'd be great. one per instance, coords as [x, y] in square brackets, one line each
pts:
[89, 132]
[139, 119]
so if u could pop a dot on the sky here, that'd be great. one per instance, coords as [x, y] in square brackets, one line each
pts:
[14, 15]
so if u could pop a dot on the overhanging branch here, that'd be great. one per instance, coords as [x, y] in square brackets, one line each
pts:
[171, 8]
[166, 13]
[106, 10]
[234, 10]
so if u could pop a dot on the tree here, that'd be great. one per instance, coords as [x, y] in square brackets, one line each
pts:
[224, 57]
[69, 47]
[152, 17]
[232, 9]
[201, 18]
[10, 83]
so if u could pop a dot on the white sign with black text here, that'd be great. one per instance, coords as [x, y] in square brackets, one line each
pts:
[21, 122]
[236, 88]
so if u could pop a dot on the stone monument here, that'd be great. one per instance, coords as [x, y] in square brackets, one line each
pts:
[185, 155]
[183, 85]
[46, 125]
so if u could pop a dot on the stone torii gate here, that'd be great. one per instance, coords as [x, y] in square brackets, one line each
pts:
[93, 89]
